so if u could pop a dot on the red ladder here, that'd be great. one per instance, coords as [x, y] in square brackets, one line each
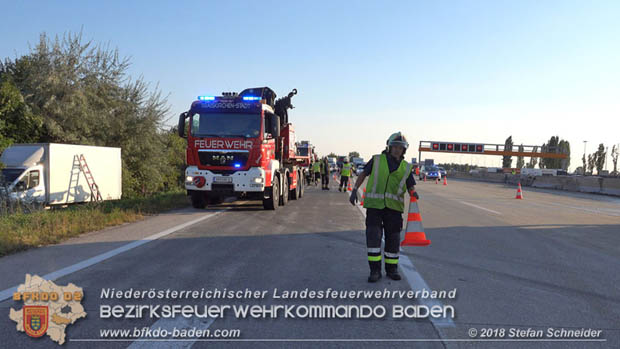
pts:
[95, 195]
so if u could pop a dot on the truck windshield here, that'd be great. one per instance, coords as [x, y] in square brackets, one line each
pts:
[302, 151]
[225, 125]
[9, 175]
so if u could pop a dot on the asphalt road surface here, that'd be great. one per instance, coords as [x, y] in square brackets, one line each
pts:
[551, 260]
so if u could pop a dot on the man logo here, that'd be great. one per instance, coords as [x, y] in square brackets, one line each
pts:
[36, 319]
[223, 158]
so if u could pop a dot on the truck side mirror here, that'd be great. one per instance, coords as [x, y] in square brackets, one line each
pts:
[274, 124]
[181, 126]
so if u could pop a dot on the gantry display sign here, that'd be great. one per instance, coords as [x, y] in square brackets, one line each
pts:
[487, 149]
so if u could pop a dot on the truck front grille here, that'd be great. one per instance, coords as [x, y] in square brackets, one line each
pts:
[223, 158]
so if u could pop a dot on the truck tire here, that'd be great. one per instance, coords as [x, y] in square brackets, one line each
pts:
[285, 191]
[301, 189]
[294, 193]
[198, 199]
[273, 197]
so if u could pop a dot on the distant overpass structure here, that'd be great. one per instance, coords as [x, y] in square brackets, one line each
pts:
[486, 149]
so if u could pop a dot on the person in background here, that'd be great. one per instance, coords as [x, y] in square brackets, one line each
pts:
[316, 171]
[345, 173]
[325, 173]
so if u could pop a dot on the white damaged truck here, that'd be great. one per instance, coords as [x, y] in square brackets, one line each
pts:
[60, 174]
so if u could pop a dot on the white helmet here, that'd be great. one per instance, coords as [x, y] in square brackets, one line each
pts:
[398, 139]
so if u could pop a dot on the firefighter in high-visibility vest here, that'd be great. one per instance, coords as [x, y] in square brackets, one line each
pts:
[345, 173]
[316, 170]
[325, 174]
[390, 177]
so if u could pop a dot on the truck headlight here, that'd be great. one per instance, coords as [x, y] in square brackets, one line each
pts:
[189, 179]
[258, 180]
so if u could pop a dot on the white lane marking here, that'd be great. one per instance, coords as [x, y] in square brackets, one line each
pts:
[416, 282]
[8, 293]
[602, 211]
[479, 207]
[170, 324]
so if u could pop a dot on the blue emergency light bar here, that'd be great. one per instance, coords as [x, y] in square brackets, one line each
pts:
[206, 98]
[251, 98]
[237, 165]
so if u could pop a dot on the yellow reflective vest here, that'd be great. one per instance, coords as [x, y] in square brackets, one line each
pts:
[346, 170]
[385, 189]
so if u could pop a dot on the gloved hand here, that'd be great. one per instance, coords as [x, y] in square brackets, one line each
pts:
[353, 197]
[415, 194]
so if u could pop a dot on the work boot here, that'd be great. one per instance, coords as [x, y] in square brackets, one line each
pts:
[393, 274]
[374, 276]
[339, 188]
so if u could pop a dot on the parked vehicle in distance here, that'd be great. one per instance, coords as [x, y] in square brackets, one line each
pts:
[360, 168]
[333, 166]
[430, 172]
[442, 171]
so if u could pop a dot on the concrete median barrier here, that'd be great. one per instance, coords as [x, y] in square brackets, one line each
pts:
[545, 182]
[589, 184]
[611, 186]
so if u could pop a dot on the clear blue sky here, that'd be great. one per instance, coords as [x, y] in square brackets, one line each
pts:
[449, 70]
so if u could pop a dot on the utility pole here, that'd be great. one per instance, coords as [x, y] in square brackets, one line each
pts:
[584, 157]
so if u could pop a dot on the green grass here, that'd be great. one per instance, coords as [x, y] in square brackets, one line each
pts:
[21, 231]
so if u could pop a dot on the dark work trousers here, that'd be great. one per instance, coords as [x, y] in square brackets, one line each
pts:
[344, 181]
[378, 222]
[317, 178]
[325, 180]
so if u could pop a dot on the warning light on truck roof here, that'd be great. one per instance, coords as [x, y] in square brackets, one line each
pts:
[251, 98]
[206, 98]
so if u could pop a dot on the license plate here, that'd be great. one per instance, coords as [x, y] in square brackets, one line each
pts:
[222, 179]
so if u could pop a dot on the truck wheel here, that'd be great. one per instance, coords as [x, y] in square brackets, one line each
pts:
[294, 193]
[285, 191]
[271, 202]
[301, 189]
[198, 199]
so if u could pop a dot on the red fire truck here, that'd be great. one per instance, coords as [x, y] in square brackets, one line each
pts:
[241, 145]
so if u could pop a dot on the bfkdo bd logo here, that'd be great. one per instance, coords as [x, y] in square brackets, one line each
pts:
[47, 308]
[36, 319]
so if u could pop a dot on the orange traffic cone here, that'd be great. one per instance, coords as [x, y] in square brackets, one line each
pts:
[363, 197]
[436, 180]
[445, 180]
[349, 188]
[415, 231]
[425, 178]
[519, 192]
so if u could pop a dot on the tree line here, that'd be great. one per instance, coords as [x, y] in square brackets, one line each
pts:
[597, 160]
[66, 90]
[554, 145]
[590, 162]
